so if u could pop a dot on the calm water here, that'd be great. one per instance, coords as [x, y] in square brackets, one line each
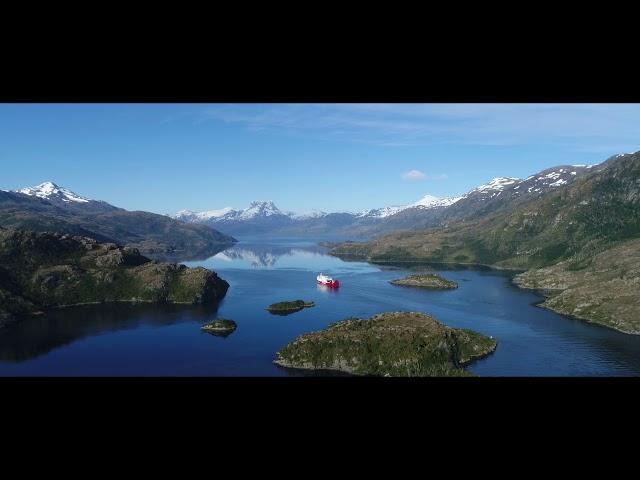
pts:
[166, 340]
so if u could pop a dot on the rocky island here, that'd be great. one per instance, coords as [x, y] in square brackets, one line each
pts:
[389, 344]
[220, 327]
[285, 308]
[430, 281]
[40, 271]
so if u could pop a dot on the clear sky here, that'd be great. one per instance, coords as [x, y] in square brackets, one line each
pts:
[167, 157]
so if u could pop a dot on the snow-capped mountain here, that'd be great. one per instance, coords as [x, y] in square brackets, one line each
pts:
[551, 178]
[497, 184]
[426, 202]
[546, 180]
[259, 209]
[265, 209]
[429, 201]
[266, 218]
[197, 217]
[51, 191]
[379, 212]
[48, 207]
[255, 210]
[308, 215]
[65, 198]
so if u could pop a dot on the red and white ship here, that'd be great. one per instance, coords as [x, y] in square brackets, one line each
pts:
[327, 281]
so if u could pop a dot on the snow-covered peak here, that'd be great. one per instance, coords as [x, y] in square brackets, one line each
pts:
[380, 212]
[51, 191]
[307, 215]
[496, 185]
[254, 210]
[426, 202]
[429, 201]
[259, 209]
[191, 216]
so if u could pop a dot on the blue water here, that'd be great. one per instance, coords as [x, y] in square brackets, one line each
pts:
[166, 340]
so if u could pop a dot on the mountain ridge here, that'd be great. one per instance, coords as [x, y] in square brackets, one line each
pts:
[428, 211]
[50, 208]
[559, 233]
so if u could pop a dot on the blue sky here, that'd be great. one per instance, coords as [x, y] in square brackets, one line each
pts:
[166, 157]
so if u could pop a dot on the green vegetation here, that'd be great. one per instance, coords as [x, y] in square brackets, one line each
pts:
[148, 232]
[428, 280]
[558, 234]
[595, 212]
[44, 270]
[605, 290]
[389, 344]
[289, 307]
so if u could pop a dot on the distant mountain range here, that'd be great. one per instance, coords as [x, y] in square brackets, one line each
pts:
[49, 207]
[265, 218]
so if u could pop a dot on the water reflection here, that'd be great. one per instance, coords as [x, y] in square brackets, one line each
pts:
[266, 256]
[220, 333]
[327, 290]
[306, 256]
[180, 256]
[38, 335]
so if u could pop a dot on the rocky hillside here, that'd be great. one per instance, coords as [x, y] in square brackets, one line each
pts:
[593, 213]
[48, 208]
[39, 271]
[396, 344]
[597, 211]
[65, 198]
[604, 290]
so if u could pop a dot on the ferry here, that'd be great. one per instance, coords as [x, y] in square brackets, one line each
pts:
[328, 281]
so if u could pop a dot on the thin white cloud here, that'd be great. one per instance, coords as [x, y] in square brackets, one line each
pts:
[414, 175]
[569, 126]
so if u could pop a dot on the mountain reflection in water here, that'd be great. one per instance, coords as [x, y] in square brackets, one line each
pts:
[266, 256]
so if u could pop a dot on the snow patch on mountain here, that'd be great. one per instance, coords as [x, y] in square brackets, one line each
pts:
[307, 215]
[50, 191]
[429, 201]
[191, 216]
[496, 185]
[426, 202]
[379, 212]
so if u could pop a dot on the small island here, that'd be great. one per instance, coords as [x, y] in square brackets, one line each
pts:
[395, 344]
[429, 280]
[285, 308]
[220, 327]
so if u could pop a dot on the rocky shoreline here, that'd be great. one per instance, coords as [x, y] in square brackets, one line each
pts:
[604, 292]
[42, 271]
[620, 312]
[388, 344]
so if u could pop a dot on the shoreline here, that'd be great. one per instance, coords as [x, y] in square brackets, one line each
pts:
[427, 262]
[545, 294]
